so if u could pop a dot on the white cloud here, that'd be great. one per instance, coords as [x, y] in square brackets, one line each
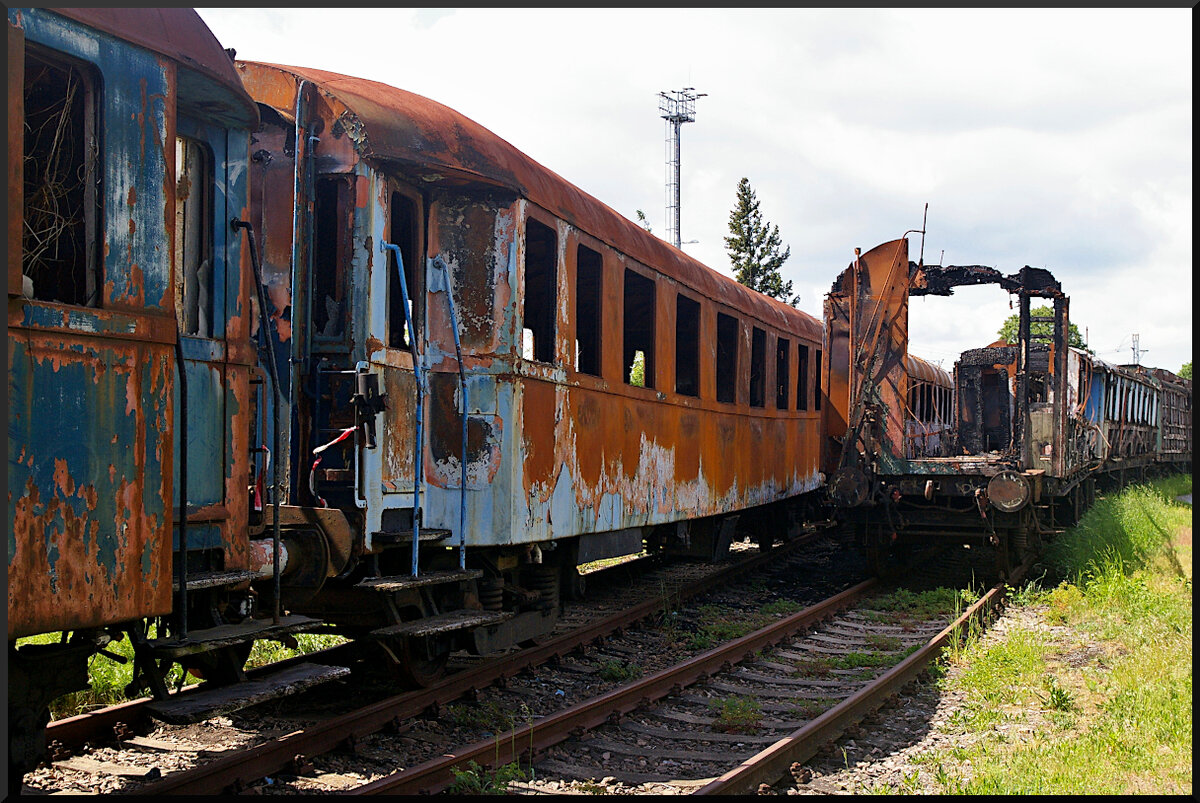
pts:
[1058, 138]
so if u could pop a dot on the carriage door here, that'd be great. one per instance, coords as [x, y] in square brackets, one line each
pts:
[199, 259]
[394, 361]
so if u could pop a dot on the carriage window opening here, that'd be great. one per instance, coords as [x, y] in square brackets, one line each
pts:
[193, 237]
[817, 381]
[330, 252]
[802, 378]
[727, 352]
[783, 353]
[541, 291]
[758, 367]
[589, 271]
[60, 258]
[403, 231]
[638, 330]
[687, 346]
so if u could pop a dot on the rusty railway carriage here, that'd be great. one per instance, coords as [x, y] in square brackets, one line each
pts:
[129, 143]
[437, 287]
[1035, 424]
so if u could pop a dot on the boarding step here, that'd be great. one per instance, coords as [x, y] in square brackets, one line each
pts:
[428, 535]
[201, 580]
[405, 582]
[229, 635]
[203, 703]
[442, 623]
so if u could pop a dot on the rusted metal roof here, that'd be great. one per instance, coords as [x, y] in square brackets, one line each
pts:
[926, 372]
[434, 141]
[181, 35]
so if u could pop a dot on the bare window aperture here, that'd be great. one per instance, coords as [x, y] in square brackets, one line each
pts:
[817, 381]
[404, 234]
[783, 353]
[758, 367]
[727, 354]
[687, 346]
[541, 291]
[332, 229]
[61, 211]
[802, 377]
[193, 237]
[638, 342]
[589, 273]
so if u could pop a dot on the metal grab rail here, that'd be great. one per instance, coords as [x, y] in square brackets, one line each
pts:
[418, 468]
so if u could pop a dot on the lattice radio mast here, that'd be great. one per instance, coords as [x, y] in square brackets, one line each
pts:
[676, 107]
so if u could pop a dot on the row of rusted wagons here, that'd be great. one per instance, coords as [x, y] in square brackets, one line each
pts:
[293, 351]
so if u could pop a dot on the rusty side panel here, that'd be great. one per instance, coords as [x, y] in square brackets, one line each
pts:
[89, 528]
[866, 319]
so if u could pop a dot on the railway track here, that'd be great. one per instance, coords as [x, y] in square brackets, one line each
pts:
[173, 750]
[660, 732]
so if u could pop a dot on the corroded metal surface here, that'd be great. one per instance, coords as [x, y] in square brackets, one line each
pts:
[93, 390]
[550, 451]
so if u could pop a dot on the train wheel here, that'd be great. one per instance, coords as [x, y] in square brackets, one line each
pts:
[417, 662]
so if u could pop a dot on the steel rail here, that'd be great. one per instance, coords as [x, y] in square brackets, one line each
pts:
[246, 766]
[530, 740]
[773, 763]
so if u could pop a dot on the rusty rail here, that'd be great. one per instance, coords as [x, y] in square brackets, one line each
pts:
[436, 775]
[238, 771]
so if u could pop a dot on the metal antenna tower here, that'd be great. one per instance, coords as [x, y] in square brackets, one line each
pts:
[1137, 352]
[676, 107]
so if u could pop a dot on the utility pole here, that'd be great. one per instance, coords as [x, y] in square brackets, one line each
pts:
[676, 107]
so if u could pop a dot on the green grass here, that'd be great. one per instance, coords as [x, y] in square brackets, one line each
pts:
[736, 714]
[108, 678]
[1099, 701]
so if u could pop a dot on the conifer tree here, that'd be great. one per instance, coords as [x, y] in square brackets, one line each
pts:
[754, 248]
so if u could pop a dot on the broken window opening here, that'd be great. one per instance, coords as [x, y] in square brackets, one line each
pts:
[758, 367]
[727, 353]
[589, 281]
[193, 237]
[638, 328]
[541, 291]
[332, 229]
[60, 239]
[687, 346]
[802, 377]
[783, 353]
[817, 381]
[404, 233]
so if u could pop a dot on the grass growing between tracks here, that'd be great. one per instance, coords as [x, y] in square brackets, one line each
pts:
[1091, 693]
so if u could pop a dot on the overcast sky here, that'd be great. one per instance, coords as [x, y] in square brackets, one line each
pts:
[1055, 138]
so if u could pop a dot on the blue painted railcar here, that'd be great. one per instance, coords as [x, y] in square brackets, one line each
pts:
[133, 376]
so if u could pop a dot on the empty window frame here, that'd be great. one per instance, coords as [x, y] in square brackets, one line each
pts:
[783, 353]
[727, 357]
[817, 381]
[687, 346]
[333, 223]
[403, 231]
[802, 377]
[541, 291]
[589, 285]
[60, 256]
[758, 367]
[637, 349]
[193, 237]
